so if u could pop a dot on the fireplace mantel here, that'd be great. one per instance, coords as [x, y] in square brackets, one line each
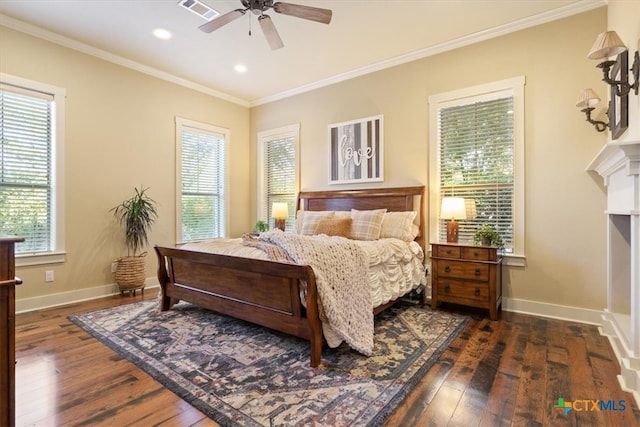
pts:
[618, 163]
[616, 156]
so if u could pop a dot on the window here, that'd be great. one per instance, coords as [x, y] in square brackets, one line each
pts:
[201, 181]
[476, 152]
[31, 168]
[278, 172]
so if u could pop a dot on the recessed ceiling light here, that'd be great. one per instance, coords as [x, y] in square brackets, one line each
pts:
[162, 34]
[240, 68]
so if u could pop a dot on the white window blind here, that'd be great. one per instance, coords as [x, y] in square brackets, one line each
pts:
[202, 181]
[476, 152]
[26, 168]
[279, 172]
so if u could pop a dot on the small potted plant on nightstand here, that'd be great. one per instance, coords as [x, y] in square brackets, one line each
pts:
[136, 214]
[487, 236]
[261, 226]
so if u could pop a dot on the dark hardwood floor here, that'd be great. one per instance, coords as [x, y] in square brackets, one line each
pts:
[505, 373]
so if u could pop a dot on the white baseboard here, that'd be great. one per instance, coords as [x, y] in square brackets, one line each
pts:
[70, 297]
[554, 311]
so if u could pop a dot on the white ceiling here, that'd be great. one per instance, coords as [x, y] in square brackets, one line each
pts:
[363, 36]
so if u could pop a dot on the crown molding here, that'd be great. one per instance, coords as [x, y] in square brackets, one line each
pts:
[532, 21]
[32, 30]
[542, 18]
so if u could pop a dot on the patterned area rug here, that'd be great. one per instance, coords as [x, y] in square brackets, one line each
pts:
[241, 374]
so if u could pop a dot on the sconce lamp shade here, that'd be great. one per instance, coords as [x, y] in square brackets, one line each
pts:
[607, 44]
[588, 98]
[280, 212]
[453, 208]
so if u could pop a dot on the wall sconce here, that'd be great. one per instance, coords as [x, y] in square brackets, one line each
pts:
[453, 208]
[280, 212]
[609, 44]
[587, 99]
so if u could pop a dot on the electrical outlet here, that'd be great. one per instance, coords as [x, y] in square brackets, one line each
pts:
[48, 276]
[114, 267]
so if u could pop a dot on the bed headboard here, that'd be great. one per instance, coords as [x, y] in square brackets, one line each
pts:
[393, 199]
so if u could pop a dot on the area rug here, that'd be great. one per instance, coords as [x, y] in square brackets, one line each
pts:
[241, 374]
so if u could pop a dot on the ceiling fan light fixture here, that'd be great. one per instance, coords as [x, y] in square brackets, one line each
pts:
[257, 7]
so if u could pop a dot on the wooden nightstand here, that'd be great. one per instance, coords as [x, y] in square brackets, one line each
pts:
[468, 275]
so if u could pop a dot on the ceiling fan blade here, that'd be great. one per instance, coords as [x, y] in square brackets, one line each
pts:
[221, 20]
[305, 12]
[270, 32]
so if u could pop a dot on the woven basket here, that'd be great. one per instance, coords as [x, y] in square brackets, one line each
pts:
[130, 273]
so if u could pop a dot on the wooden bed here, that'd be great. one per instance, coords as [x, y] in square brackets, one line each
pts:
[266, 292]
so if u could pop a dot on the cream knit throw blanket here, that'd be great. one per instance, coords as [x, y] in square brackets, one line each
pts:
[340, 268]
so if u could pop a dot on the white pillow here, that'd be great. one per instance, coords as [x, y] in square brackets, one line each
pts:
[366, 225]
[310, 220]
[399, 225]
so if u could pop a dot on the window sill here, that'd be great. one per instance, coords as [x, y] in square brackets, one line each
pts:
[23, 260]
[511, 260]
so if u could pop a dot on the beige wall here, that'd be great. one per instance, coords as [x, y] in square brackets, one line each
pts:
[120, 133]
[565, 225]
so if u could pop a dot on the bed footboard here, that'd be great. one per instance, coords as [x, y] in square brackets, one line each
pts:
[263, 292]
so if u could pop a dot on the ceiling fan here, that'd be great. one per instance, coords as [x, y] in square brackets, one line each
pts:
[258, 7]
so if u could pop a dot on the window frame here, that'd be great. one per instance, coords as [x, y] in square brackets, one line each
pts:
[207, 128]
[263, 138]
[515, 87]
[58, 253]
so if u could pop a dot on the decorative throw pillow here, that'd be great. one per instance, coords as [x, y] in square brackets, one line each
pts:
[399, 225]
[334, 227]
[366, 225]
[311, 219]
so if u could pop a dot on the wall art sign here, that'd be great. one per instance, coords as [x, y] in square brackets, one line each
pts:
[355, 151]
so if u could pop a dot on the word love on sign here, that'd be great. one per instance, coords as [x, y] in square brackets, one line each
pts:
[356, 151]
[348, 153]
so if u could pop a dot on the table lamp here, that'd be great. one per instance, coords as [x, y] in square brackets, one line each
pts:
[453, 208]
[280, 212]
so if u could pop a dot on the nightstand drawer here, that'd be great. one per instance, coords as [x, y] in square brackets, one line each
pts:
[469, 293]
[463, 270]
[477, 254]
[446, 251]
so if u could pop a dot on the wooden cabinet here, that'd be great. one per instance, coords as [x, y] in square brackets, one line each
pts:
[467, 275]
[8, 282]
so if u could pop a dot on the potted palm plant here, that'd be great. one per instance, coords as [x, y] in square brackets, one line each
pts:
[137, 214]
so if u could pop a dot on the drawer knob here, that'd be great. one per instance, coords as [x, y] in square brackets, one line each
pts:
[475, 254]
[447, 269]
[477, 271]
[477, 292]
[447, 288]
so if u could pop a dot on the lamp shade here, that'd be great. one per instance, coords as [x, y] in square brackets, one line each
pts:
[280, 210]
[607, 44]
[470, 205]
[587, 98]
[453, 208]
